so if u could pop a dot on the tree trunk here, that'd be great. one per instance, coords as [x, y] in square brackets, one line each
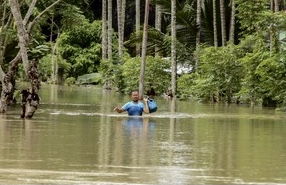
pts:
[31, 100]
[109, 45]
[173, 48]
[215, 24]
[198, 22]
[55, 66]
[137, 26]
[7, 89]
[198, 26]
[119, 23]
[158, 24]
[8, 84]
[276, 7]
[222, 17]
[22, 33]
[273, 32]
[31, 71]
[144, 49]
[232, 22]
[123, 20]
[104, 31]
[5, 23]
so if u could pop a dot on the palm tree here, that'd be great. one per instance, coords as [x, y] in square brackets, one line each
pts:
[273, 34]
[186, 29]
[232, 22]
[158, 23]
[276, 5]
[137, 25]
[120, 28]
[104, 31]
[109, 40]
[123, 20]
[144, 49]
[215, 24]
[173, 48]
[222, 17]
[198, 22]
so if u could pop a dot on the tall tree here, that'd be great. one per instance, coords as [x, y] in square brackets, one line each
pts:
[215, 24]
[104, 31]
[137, 25]
[144, 49]
[271, 5]
[222, 18]
[5, 23]
[120, 28]
[276, 5]
[173, 48]
[22, 33]
[24, 29]
[158, 23]
[232, 22]
[123, 18]
[109, 44]
[55, 64]
[198, 21]
[273, 31]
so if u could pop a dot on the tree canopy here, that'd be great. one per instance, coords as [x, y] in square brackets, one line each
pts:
[67, 40]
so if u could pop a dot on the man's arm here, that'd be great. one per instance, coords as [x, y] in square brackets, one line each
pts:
[146, 107]
[119, 109]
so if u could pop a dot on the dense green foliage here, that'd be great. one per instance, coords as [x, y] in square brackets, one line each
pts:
[81, 47]
[251, 70]
[126, 75]
[156, 75]
[218, 74]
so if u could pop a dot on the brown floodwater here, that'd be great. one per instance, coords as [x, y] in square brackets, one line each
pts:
[76, 138]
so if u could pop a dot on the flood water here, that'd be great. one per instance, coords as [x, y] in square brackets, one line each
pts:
[76, 138]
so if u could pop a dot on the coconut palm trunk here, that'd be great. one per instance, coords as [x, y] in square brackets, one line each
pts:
[173, 48]
[137, 26]
[198, 22]
[123, 19]
[276, 5]
[158, 23]
[222, 18]
[120, 29]
[232, 22]
[144, 49]
[215, 24]
[109, 40]
[104, 31]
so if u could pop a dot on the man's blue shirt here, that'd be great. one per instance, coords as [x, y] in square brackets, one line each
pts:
[134, 109]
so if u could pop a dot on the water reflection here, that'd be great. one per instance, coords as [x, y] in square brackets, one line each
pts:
[139, 126]
[76, 138]
[126, 141]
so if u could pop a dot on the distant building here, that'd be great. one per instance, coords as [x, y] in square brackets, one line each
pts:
[181, 68]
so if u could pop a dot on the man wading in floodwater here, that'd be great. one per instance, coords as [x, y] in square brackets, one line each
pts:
[134, 107]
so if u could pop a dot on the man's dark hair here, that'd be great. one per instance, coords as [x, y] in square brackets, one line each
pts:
[135, 90]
